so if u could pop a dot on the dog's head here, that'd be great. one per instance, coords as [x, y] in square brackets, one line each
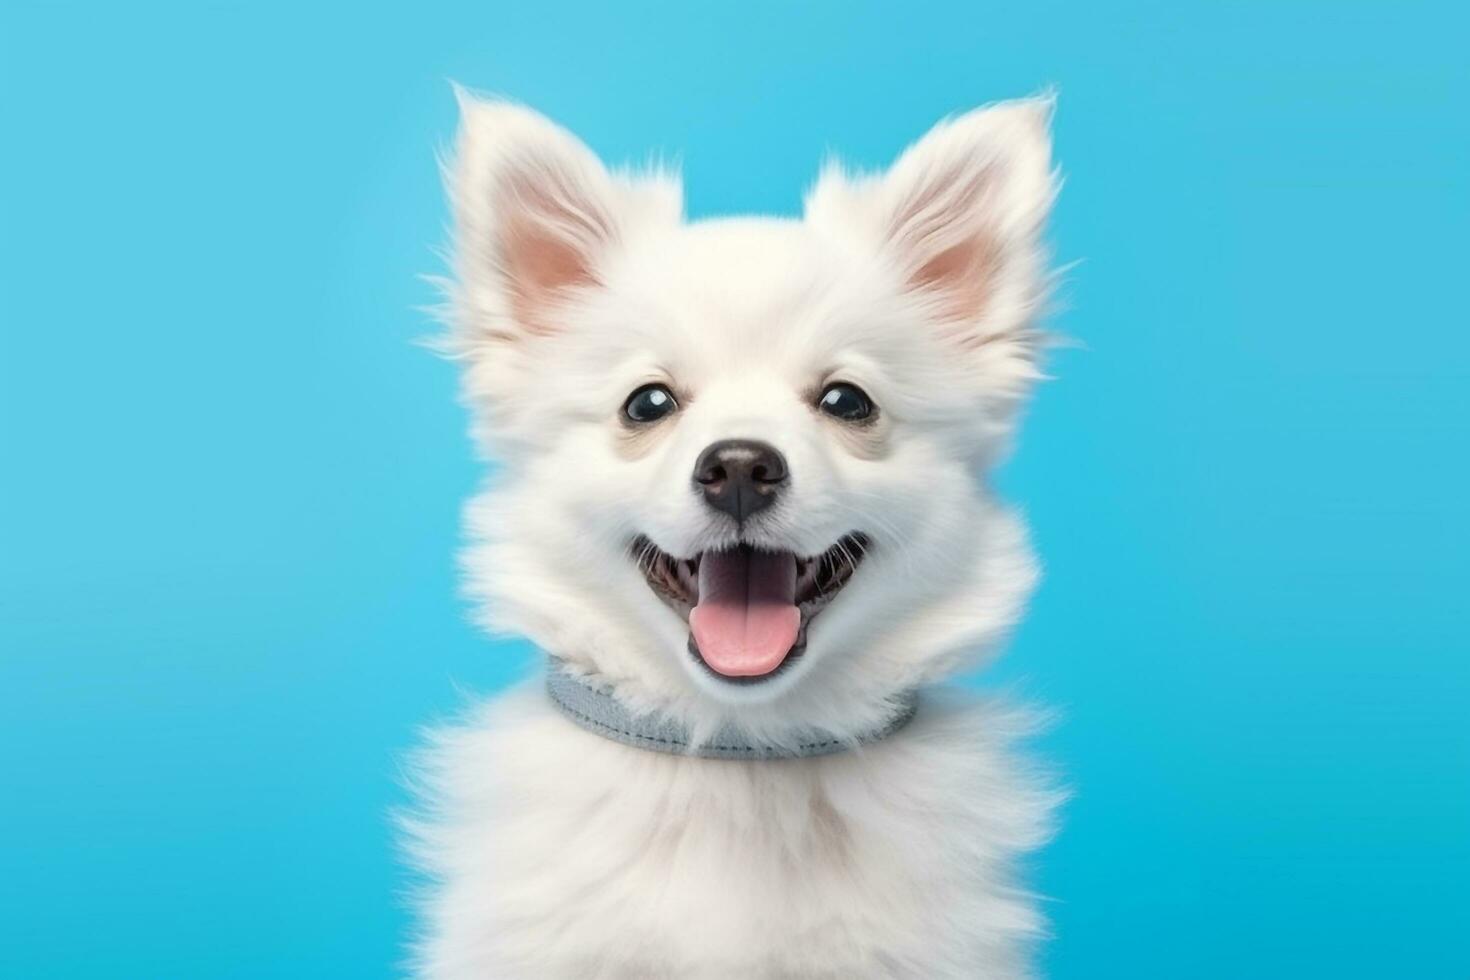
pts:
[743, 461]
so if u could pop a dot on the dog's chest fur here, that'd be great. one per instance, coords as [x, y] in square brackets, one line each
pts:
[561, 854]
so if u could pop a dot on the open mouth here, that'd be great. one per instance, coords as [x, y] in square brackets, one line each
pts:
[748, 609]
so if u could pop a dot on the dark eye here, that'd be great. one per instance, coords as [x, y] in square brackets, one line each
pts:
[649, 404]
[846, 402]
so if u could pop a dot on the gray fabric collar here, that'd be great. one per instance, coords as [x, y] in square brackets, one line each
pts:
[593, 707]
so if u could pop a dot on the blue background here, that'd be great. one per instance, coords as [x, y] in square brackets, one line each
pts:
[229, 481]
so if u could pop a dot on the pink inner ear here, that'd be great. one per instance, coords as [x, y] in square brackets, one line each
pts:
[545, 249]
[942, 226]
[963, 275]
[537, 268]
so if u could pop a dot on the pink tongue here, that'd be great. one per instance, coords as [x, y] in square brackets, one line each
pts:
[746, 619]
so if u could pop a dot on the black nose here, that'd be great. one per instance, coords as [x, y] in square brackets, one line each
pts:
[739, 476]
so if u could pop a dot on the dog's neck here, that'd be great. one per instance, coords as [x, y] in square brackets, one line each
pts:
[593, 706]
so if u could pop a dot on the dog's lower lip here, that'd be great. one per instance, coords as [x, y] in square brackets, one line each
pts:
[819, 579]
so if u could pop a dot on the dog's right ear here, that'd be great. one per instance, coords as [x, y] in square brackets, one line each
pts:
[536, 217]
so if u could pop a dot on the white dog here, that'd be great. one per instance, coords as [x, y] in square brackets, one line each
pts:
[742, 507]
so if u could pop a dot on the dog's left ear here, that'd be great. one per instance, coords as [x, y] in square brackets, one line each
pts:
[961, 214]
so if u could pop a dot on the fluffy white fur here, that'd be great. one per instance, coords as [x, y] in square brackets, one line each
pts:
[555, 853]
